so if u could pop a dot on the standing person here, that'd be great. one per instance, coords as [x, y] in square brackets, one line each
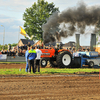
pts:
[37, 60]
[26, 53]
[29, 44]
[31, 56]
[0, 52]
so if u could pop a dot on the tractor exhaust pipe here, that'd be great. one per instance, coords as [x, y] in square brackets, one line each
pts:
[93, 42]
[77, 41]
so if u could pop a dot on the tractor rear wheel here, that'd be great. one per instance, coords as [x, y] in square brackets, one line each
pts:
[64, 59]
[44, 62]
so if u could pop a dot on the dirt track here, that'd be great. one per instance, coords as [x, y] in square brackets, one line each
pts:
[49, 88]
[8, 66]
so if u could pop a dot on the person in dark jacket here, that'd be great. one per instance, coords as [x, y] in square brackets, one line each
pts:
[29, 44]
[31, 56]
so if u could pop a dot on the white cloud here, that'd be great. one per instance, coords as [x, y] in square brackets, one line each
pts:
[15, 27]
[11, 37]
[15, 5]
[11, 29]
[10, 24]
[5, 20]
[21, 5]
[1, 33]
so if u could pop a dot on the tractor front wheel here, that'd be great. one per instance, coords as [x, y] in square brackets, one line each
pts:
[44, 62]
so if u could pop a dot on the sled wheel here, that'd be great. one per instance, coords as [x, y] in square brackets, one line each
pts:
[44, 62]
[91, 64]
[64, 59]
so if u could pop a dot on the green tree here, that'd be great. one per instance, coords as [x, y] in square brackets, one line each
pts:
[14, 44]
[35, 16]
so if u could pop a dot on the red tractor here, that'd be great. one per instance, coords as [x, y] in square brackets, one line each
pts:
[57, 57]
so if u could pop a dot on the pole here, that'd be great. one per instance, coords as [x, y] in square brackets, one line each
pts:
[77, 41]
[3, 36]
[18, 41]
[18, 34]
[92, 42]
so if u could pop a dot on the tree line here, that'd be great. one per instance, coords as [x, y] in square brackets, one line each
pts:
[6, 46]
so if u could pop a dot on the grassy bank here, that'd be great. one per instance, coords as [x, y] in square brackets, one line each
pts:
[49, 71]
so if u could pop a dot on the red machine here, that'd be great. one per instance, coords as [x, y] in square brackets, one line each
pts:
[57, 57]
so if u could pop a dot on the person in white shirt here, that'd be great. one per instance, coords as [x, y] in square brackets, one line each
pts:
[37, 59]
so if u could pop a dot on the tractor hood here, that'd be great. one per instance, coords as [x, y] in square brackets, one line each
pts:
[89, 54]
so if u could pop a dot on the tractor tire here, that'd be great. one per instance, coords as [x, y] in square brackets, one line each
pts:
[64, 59]
[91, 64]
[44, 62]
[53, 62]
[75, 65]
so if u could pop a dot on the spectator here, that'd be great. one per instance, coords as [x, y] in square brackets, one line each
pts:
[29, 44]
[41, 47]
[5, 51]
[88, 49]
[84, 50]
[37, 60]
[0, 52]
[21, 53]
[26, 53]
[25, 46]
[31, 56]
[49, 47]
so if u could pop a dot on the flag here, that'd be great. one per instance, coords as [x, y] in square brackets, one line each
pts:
[24, 33]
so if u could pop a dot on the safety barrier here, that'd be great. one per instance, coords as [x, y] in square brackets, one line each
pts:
[5, 58]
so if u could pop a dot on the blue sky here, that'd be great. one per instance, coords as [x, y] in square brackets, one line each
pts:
[11, 17]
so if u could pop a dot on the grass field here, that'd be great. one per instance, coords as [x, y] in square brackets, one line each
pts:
[16, 71]
[49, 71]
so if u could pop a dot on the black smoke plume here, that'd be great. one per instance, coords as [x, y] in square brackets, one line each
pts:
[76, 18]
